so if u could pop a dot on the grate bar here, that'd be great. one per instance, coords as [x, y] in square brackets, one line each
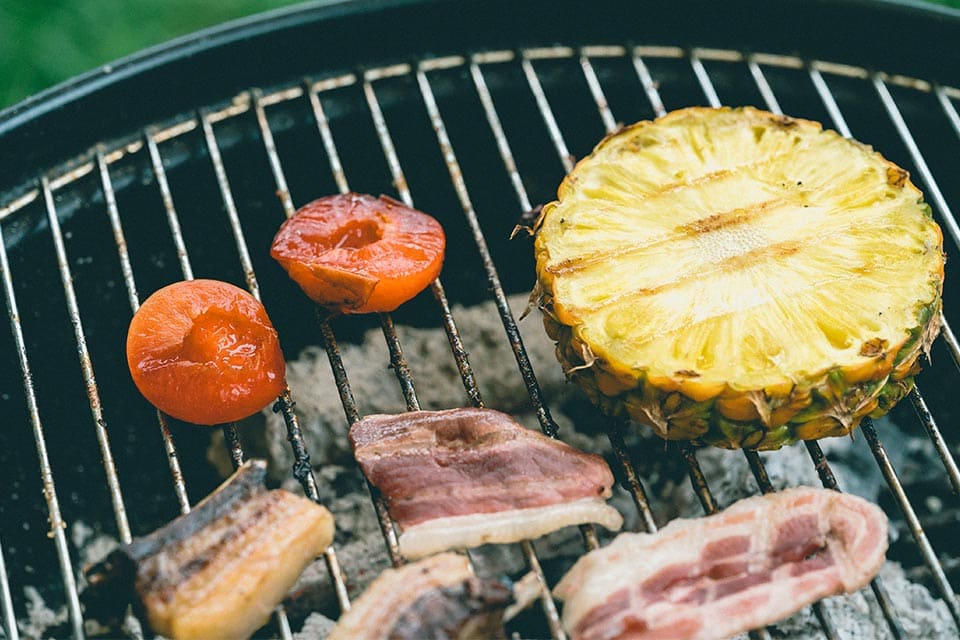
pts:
[933, 432]
[823, 469]
[57, 525]
[283, 191]
[547, 424]
[609, 123]
[333, 354]
[918, 160]
[766, 486]
[353, 415]
[615, 433]
[761, 81]
[113, 213]
[231, 208]
[302, 469]
[829, 481]
[697, 479]
[926, 550]
[89, 379]
[547, 113]
[704, 79]
[436, 287]
[948, 108]
[329, 339]
[6, 602]
[399, 363]
[649, 86]
[951, 339]
[232, 438]
[333, 156]
[546, 598]
[173, 220]
[330, 346]
[503, 145]
[830, 102]
[229, 430]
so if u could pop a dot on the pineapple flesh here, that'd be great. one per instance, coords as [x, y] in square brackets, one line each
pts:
[738, 278]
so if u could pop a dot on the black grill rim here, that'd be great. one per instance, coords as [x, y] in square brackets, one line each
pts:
[900, 37]
[51, 181]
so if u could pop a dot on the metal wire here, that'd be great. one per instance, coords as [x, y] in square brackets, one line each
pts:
[302, 469]
[285, 404]
[113, 213]
[57, 525]
[6, 602]
[86, 365]
[926, 550]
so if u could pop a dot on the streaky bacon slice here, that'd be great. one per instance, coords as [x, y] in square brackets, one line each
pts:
[464, 477]
[437, 597]
[750, 565]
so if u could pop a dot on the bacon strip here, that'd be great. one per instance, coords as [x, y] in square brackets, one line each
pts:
[757, 562]
[438, 597]
[466, 477]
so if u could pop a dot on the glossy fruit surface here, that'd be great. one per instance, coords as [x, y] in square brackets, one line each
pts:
[205, 352]
[354, 253]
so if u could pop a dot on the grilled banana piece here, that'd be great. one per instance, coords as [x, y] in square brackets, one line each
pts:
[739, 278]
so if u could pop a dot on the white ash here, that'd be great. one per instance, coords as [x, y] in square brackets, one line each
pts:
[859, 616]
[40, 617]
[315, 626]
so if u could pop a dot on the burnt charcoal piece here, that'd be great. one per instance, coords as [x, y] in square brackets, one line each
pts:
[218, 571]
[438, 597]
[748, 566]
[466, 477]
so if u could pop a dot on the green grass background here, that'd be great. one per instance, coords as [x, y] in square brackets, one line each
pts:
[43, 42]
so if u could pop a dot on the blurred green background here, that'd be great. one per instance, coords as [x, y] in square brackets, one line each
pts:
[43, 42]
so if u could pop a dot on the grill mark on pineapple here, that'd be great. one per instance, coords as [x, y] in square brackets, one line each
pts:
[735, 263]
[729, 218]
[715, 222]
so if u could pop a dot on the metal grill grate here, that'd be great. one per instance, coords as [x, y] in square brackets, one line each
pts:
[92, 183]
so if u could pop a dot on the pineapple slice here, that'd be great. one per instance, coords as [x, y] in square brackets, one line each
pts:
[739, 278]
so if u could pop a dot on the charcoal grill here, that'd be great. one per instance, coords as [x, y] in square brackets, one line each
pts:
[184, 160]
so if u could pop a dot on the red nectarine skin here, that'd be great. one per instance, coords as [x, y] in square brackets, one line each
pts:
[354, 253]
[205, 352]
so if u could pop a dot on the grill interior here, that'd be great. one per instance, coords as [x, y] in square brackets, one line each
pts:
[476, 140]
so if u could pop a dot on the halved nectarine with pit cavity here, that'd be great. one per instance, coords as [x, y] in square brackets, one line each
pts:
[205, 352]
[354, 253]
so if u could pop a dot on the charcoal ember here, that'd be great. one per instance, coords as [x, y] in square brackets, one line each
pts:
[316, 626]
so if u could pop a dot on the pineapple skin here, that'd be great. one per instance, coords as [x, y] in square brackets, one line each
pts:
[825, 403]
